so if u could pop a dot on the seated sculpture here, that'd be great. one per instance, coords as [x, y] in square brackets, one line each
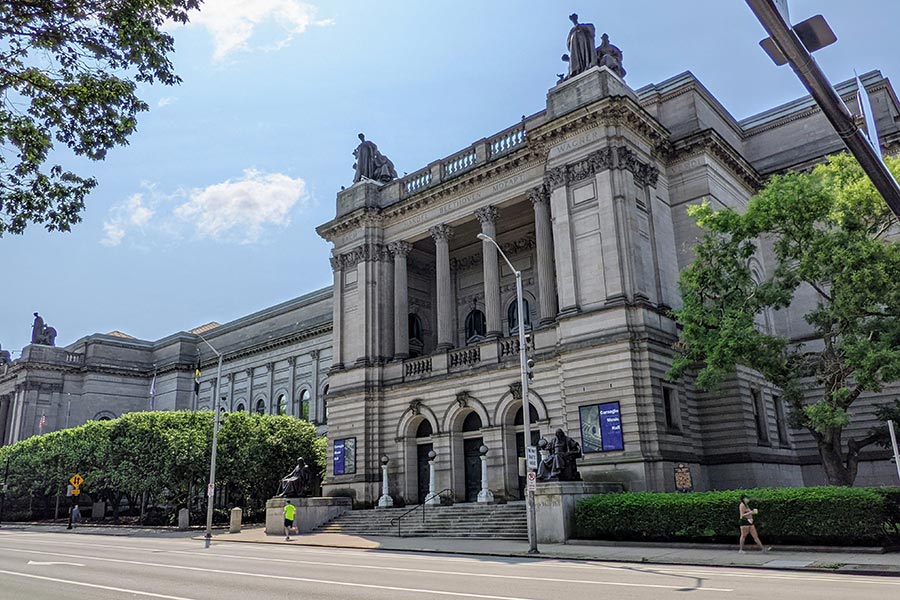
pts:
[298, 483]
[559, 464]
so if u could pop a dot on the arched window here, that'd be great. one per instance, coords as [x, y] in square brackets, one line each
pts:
[472, 422]
[260, 407]
[303, 412]
[282, 404]
[519, 419]
[512, 314]
[475, 325]
[416, 339]
[325, 404]
[424, 429]
[240, 407]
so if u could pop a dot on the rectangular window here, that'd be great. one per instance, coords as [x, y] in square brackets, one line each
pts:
[759, 415]
[780, 422]
[344, 458]
[672, 409]
[601, 427]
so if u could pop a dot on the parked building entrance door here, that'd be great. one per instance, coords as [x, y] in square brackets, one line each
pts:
[422, 451]
[473, 468]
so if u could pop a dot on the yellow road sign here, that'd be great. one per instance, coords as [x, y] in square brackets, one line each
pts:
[76, 480]
[76, 492]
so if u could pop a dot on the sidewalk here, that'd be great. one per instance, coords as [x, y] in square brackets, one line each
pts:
[844, 561]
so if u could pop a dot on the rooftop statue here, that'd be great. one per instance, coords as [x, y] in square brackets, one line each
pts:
[5, 357]
[582, 53]
[610, 56]
[372, 164]
[41, 333]
[559, 465]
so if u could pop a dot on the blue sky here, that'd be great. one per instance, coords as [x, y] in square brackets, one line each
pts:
[209, 213]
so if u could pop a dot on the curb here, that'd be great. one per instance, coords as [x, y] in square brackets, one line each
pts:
[844, 569]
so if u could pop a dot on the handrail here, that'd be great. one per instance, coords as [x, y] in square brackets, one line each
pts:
[417, 506]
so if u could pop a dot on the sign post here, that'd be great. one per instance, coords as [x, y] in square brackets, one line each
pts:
[531, 459]
[894, 444]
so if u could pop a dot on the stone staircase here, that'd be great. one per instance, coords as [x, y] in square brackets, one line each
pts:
[464, 520]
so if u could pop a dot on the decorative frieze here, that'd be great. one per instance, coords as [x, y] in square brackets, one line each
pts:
[619, 157]
[464, 263]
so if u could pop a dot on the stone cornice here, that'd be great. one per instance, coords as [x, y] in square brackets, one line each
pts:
[710, 142]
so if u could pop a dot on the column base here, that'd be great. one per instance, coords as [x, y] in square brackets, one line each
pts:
[492, 335]
[401, 356]
[443, 347]
[546, 321]
[432, 499]
[486, 497]
[385, 502]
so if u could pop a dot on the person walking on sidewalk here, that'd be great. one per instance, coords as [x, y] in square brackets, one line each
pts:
[289, 512]
[747, 525]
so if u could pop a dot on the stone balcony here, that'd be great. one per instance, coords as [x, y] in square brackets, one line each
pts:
[503, 352]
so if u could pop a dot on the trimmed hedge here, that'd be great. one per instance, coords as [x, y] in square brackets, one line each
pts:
[816, 515]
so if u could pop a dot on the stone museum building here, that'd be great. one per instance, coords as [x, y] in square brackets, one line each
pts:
[414, 348]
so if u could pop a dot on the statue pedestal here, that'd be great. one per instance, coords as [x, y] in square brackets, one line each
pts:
[554, 507]
[583, 89]
[311, 512]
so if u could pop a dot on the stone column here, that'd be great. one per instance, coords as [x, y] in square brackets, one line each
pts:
[316, 411]
[543, 231]
[4, 416]
[400, 250]
[291, 361]
[337, 361]
[442, 234]
[249, 373]
[487, 216]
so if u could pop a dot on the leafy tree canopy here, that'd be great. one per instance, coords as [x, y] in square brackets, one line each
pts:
[834, 239]
[69, 70]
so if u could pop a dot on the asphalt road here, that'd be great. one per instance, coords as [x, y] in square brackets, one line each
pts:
[54, 566]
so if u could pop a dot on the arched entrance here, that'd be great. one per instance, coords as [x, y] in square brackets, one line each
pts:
[472, 441]
[424, 445]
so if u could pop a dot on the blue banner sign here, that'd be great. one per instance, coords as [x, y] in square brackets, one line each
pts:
[601, 427]
[344, 458]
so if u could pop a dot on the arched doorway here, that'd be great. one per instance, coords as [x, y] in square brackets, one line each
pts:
[424, 445]
[472, 441]
[519, 427]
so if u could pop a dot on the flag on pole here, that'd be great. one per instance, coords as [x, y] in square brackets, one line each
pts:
[41, 423]
[152, 390]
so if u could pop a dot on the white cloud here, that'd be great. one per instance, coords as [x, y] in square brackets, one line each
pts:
[241, 209]
[233, 22]
[166, 101]
[129, 214]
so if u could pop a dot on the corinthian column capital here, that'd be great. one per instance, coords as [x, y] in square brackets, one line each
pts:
[538, 195]
[487, 215]
[441, 233]
[400, 249]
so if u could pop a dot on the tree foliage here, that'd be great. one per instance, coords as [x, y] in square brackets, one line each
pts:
[69, 71]
[165, 455]
[834, 238]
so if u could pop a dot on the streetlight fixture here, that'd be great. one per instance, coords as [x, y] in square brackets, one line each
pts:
[211, 488]
[523, 373]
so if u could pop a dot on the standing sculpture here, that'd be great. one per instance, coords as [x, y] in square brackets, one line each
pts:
[582, 53]
[5, 356]
[297, 484]
[41, 333]
[559, 464]
[372, 164]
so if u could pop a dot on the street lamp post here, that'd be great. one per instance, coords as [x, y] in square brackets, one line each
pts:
[523, 373]
[210, 489]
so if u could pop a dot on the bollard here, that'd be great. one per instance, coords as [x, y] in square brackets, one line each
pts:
[236, 513]
[184, 519]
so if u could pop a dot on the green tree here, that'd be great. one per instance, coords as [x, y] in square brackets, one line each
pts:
[69, 71]
[833, 237]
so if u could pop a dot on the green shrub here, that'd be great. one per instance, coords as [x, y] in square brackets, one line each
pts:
[815, 515]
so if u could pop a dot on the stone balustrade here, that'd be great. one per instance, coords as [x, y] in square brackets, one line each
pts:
[417, 367]
[507, 140]
[460, 162]
[417, 181]
[466, 357]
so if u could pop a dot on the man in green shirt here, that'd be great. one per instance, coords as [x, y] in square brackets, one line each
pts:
[289, 511]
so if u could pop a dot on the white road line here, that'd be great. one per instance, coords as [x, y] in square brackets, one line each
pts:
[370, 586]
[95, 585]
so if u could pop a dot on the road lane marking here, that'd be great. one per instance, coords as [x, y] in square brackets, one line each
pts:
[34, 562]
[95, 585]
[372, 586]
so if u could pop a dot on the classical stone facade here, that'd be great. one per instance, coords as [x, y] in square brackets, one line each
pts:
[415, 344]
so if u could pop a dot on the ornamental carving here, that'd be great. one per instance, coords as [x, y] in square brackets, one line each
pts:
[335, 262]
[619, 157]
[556, 177]
[539, 195]
[516, 390]
[464, 263]
[441, 233]
[415, 407]
[487, 215]
[462, 398]
[400, 249]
